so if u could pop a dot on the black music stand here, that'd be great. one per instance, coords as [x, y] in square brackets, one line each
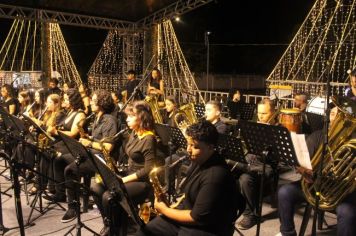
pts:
[17, 130]
[231, 149]
[316, 121]
[40, 176]
[110, 179]
[199, 110]
[247, 110]
[268, 141]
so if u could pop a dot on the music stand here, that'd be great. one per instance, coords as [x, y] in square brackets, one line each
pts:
[80, 153]
[316, 121]
[110, 180]
[266, 141]
[231, 149]
[247, 110]
[174, 139]
[199, 110]
[18, 129]
[38, 167]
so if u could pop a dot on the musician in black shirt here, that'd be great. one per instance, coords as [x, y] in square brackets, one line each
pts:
[10, 102]
[211, 197]
[131, 84]
[104, 126]
[141, 152]
[213, 113]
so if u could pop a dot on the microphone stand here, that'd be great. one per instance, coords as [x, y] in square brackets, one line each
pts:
[324, 150]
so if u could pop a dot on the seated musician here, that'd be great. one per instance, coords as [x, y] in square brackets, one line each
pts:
[171, 109]
[249, 181]
[141, 151]
[213, 113]
[70, 126]
[104, 125]
[211, 197]
[40, 103]
[301, 103]
[53, 86]
[9, 101]
[25, 101]
[47, 120]
[290, 195]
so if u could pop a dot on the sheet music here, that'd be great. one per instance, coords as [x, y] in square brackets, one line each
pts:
[301, 150]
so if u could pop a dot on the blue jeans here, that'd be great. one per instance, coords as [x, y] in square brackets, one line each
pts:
[290, 195]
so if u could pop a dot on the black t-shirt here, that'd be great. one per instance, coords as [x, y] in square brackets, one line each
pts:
[221, 127]
[130, 87]
[106, 126]
[12, 101]
[142, 155]
[211, 195]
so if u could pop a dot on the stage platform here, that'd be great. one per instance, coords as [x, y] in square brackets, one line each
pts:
[50, 224]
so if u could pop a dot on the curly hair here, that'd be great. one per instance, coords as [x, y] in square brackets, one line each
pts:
[143, 111]
[105, 101]
[203, 131]
[75, 100]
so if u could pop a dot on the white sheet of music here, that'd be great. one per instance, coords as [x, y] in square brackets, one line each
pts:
[301, 150]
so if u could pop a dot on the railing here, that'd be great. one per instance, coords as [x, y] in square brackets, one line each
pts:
[218, 96]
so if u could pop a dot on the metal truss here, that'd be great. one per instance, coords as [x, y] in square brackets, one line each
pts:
[17, 12]
[176, 9]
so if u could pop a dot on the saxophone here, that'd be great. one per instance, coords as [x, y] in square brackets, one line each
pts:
[107, 157]
[160, 194]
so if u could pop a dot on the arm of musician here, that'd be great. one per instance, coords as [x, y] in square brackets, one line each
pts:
[306, 173]
[86, 102]
[74, 131]
[182, 216]
[161, 88]
[12, 109]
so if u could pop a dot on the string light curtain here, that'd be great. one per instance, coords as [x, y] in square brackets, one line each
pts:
[120, 52]
[21, 52]
[174, 67]
[323, 47]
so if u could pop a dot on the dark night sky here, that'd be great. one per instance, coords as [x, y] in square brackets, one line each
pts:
[238, 30]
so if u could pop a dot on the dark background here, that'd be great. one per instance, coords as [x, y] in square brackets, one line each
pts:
[248, 37]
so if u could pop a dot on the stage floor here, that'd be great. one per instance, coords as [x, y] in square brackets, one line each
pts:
[50, 224]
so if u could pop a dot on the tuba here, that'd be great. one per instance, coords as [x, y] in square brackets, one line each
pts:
[339, 172]
[187, 115]
[152, 101]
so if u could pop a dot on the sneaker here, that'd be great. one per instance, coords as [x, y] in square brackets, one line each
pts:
[70, 215]
[55, 198]
[247, 222]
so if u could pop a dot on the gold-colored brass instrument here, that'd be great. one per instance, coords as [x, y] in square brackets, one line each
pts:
[185, 116]
[107, 157]
[81, 124]
[159, 193]
[152, 101]
[109, 162]
[339, 172]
